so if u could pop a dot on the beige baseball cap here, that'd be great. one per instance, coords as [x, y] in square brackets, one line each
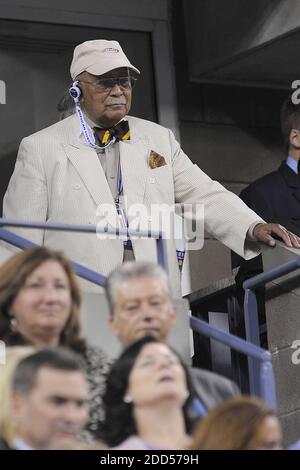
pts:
[98, 57]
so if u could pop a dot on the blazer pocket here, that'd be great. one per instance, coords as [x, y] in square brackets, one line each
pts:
[159, 169]
[161, 185]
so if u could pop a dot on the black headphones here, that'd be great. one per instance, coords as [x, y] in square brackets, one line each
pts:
[75, 91]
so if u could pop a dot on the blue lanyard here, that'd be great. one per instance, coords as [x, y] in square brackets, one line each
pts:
[120, 209]
[120, 181]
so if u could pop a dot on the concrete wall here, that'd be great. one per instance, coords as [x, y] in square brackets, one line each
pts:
[283, 326]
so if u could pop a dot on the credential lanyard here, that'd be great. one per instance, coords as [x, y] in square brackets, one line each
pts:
[119, 206]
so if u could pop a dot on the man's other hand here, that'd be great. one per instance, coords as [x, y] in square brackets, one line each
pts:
[264, 232]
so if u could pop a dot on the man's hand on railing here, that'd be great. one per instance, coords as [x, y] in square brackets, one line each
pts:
[269, 233]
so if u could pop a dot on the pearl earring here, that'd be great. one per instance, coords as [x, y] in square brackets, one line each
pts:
[13, 324]
[127, 399]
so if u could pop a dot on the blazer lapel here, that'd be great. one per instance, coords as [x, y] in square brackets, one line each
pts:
[86, 162]
[133, 157]
[297, 195]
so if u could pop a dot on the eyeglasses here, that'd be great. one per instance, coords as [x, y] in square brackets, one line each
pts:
[106, 84]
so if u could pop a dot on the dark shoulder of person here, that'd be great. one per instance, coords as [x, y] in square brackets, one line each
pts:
[4, 445]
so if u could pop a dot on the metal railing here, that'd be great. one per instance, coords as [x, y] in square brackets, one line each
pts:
[265, 387]
[82, 271]
[251, 313]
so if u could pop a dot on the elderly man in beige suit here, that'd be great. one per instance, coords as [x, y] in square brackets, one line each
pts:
[72, 171]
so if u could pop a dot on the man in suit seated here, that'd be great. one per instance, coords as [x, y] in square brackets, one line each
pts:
[49, 400]
[140, 304]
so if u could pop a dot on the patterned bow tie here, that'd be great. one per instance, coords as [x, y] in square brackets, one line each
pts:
[120, 131]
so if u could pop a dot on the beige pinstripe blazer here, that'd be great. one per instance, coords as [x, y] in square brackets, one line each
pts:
[58, 179]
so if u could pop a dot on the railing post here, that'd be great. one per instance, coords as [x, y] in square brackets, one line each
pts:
[264, 385]
[162, 257]
[251, 317]
[267, 382]
[252, 335]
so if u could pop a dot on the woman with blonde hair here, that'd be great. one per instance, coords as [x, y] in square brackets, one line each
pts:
[12, 357]
[39, 305]
[239, 424]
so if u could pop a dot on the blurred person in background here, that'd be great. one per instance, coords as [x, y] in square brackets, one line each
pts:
[39, 306]
[140, 304]
[49, 399]
[239, 424]
[65, 106]
[13, 356]
[274, 197]
[147, 397]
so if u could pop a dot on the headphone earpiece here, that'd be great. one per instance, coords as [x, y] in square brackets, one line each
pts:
[75, 91]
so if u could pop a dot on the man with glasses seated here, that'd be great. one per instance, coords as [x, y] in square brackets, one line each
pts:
[101, 166]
